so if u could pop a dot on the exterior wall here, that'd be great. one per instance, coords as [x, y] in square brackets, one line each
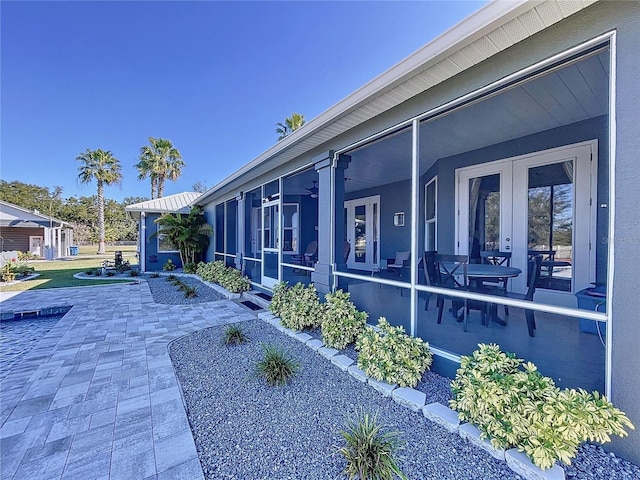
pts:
[17, 238]
[155, 260]
[624, 305]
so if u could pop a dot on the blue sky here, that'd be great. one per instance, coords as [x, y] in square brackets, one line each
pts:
[213, 77]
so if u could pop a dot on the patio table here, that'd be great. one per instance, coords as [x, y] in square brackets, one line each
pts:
[478, 271]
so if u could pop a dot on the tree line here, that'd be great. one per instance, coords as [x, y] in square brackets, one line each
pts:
[81, 212]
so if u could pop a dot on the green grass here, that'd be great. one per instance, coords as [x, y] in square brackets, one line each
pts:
[59, 274]
[127, 250]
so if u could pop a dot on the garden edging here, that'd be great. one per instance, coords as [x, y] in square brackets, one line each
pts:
[415, 401]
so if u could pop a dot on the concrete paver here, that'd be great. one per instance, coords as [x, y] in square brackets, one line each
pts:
[97, 397]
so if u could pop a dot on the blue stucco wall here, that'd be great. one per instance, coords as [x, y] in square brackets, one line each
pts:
[155, 260]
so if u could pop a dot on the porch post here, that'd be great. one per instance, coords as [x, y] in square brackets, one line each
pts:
[341, 164]
[240, 232]
[142, 241]
[328, 242]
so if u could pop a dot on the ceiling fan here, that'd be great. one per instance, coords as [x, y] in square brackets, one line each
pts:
[313, 191]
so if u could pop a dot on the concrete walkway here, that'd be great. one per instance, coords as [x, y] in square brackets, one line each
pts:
[98, 397]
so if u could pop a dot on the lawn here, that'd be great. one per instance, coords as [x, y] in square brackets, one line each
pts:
[59, 273]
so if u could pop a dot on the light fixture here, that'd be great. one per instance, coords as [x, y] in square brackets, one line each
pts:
[313, 191]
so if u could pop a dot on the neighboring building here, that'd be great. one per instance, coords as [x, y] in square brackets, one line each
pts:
[30, 231]
[516, 130]
[154, 249]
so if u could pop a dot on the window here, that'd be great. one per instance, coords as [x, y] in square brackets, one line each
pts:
[164, 244]
[430, 212]
[290, 228]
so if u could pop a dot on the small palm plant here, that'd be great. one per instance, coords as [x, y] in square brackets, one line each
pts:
[189, 292]
[233, 335]
[277, 366]
[370, 452]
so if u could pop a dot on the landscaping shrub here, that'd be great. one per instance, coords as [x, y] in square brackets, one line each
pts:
[189, 292]
[227, 277]
[280, 298]
[303, 308]
[342, 323]
[190, 267]
[513, 405]
[277, 366]
[155, 275]
[8, 273]
[24, 256]
[233, 335]
[12, 270]
[169, 266]
[390, 355]
[370, 452]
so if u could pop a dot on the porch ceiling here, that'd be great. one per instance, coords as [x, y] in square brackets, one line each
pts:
[571, 94]
[492, 29]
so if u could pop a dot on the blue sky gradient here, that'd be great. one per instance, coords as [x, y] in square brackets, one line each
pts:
[213, 77]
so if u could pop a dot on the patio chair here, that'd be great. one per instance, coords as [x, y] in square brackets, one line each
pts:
[535, 268]
[308, 257]
[430, 272]
[452, 273]
[347, 250]
[397, 264]
[496, 258]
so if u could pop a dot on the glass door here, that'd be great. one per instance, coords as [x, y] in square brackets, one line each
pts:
[485, 210]
[363, 219]
[537, 204]
[270, 243]
[554, 217]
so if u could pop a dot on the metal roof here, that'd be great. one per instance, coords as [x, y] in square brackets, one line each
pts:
[178, 203]
[492, 29]
[15, 216]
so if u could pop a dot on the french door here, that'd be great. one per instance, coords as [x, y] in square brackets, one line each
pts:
[534, 204]
[270, 243]
[362, 218]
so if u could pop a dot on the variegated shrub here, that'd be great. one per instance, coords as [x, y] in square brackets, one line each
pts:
[342, 323]
[390, 355]
[513, 405]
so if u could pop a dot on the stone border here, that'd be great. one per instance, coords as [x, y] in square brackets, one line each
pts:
[31, 276]
[222, 291]
[416, 401]
[40, 312]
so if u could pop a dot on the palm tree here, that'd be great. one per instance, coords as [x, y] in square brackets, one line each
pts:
[188, 233]
[102, 166]
[159, 161]
[292, 123]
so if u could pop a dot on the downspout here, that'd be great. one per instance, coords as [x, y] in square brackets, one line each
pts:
[143, 242]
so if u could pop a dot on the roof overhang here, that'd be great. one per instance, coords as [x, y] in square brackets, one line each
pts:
[492, 29]
[178, 203]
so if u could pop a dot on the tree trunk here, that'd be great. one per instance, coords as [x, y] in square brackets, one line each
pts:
[160, 186]
[101, 234]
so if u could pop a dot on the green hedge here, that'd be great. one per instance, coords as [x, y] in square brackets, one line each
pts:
[227, 277]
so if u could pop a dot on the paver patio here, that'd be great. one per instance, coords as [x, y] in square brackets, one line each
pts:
[97, 397]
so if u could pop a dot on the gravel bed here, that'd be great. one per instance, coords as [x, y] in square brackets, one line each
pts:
[165, 292]
[244, 429]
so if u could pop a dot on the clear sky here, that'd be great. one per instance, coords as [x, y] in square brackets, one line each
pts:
[213, 77]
